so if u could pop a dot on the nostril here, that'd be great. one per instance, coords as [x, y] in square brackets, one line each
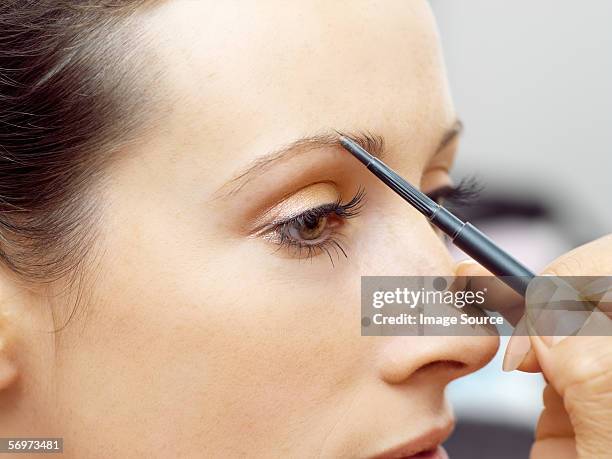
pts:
[454, 368]
[442, 370]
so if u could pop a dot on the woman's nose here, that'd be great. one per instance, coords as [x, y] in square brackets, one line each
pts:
[440, 359]
[405, 245]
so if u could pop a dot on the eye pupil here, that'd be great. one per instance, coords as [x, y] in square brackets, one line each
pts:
[312, 221]
[312, 227]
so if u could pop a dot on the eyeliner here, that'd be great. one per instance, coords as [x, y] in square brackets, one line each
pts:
[463, 234]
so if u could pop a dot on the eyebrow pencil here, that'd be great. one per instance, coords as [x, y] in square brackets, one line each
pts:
[463, 234]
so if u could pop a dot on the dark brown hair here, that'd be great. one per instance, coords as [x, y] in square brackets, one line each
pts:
[73, 78]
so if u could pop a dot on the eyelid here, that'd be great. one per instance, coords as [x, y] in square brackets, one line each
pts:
[291, 206]
[322, 210]
[445, 157]
[342, 210]
[434, 179]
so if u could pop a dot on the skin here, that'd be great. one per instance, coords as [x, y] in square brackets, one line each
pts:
[196, 338]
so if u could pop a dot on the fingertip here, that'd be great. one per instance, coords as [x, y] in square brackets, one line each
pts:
[530, 363]
[469, 267]
[518, 347]
[521, 356]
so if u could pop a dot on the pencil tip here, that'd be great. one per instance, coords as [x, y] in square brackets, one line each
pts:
[356, 150]
[341, 135]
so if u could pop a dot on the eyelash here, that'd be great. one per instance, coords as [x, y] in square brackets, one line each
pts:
[463, 193]
[280, 232]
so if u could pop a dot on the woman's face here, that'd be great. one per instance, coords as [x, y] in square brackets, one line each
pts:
[213, 325]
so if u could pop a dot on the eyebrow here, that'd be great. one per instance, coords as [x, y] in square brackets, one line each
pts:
[373, 143]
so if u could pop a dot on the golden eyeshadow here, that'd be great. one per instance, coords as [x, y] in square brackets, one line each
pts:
[305, 199]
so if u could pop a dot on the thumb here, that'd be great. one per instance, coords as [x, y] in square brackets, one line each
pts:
[579, 369]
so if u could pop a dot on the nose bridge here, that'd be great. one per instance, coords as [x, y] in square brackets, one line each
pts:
[403, 357]
[400, 242]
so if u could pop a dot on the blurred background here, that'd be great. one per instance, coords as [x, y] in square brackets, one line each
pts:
[532, 82]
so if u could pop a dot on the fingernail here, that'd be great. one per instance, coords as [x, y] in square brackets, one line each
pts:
[517, 350]
[466, 262]
[551, 341]
[464, 265]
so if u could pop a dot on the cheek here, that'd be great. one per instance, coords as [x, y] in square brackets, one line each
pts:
[275, 334]
[226, 340]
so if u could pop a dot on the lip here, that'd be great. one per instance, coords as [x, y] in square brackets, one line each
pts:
[426, 446]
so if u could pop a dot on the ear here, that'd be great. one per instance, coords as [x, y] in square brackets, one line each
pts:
[8, 373]
[8, 366]
[10, 310]
[25, 322]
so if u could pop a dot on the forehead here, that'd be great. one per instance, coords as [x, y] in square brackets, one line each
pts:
[265, 72]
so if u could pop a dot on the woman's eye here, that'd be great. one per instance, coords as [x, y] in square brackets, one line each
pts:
[465, 193]
[310, 228]
[317, 230]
